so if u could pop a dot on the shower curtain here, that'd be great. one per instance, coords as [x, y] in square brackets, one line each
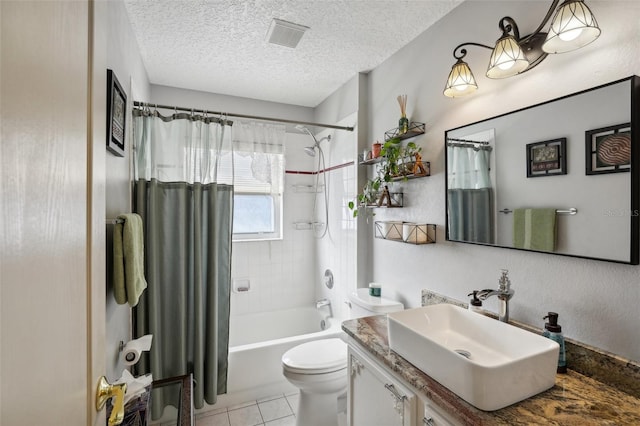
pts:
[469, 193]
[187, 214]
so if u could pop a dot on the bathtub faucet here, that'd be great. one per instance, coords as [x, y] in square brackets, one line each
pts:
[324, 302]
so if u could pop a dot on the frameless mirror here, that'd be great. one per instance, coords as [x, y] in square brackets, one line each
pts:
[560, 177]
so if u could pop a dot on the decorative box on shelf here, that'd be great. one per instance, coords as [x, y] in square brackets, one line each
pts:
[408, 232]
[415, 129]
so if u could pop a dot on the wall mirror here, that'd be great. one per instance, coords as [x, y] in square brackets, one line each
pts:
[559, 177]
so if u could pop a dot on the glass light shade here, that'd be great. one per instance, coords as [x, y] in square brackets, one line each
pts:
[461, 81]
[573, 26]
[507, 59]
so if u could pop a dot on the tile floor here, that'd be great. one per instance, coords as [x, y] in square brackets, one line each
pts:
[279, 410]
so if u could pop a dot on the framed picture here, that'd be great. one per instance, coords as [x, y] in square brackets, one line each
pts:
[608, 150]
[547, 158]
[116, 115]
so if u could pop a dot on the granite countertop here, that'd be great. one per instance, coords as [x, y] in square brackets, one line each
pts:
[574, 400]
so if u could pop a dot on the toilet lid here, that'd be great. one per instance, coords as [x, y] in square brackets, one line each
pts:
[316, 357]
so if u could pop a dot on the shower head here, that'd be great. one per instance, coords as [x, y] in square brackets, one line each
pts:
[311, 150]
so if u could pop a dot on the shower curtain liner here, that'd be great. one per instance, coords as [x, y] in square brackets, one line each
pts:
[187, 214]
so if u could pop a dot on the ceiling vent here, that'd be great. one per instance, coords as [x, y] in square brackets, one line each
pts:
[285, 33]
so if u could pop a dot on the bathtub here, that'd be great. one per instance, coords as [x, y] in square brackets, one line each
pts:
[256, 345]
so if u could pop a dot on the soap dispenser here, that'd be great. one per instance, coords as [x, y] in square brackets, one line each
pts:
[475, 304]
[553, 331]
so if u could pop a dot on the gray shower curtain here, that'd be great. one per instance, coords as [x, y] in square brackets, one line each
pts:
[471, 215]
[188, 233]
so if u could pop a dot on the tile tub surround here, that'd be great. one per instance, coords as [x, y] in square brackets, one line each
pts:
[608, 368]
[574, 400]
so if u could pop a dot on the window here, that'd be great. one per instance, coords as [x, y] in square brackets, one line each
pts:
[256, 216]
[258, 180]
[257, 205]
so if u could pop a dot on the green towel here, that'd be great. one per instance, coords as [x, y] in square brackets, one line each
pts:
[128, 259]
[534, 229]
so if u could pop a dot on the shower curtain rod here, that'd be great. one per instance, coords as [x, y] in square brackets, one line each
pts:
[253, 117]
[468, 141]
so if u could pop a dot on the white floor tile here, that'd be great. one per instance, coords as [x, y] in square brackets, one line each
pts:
[270, 398]
[285, 421]
[241, 405]
[275, 409]
[220, 419]
[247, 416]
[293, 402]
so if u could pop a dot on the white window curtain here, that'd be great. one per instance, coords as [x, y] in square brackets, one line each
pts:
[469, 167]
[258, 157]
[198, 147]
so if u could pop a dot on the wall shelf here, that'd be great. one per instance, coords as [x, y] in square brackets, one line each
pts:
[415, 129]
[397, 199]
[307, 189]
[406, 232]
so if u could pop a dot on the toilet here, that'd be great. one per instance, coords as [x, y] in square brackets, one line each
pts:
[319, 368]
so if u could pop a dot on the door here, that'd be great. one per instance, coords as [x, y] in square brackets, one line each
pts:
[375, 398]
[52, 231]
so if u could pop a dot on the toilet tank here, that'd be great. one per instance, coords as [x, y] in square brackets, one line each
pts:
[363, 305]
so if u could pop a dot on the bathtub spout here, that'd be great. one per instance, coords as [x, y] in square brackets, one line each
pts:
[324, 302]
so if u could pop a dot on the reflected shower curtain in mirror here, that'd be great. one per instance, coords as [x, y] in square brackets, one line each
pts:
[469, 192]
[187, 214]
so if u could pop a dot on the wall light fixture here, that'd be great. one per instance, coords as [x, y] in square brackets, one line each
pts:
[573, 26]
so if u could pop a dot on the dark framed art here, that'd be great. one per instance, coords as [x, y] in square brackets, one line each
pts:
[116, 115]
[608, 150]
[547, 158]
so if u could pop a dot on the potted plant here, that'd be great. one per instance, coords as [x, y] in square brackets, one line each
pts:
[409, 157]
[368, 196]
[391, 152]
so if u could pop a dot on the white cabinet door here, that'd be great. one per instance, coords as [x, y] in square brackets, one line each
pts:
[375, 398]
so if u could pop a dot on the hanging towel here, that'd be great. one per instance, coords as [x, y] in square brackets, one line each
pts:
[534, 229]
[128, 259]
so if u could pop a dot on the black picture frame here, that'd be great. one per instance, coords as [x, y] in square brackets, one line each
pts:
[116, 115]
[547, 158]
[608, 149]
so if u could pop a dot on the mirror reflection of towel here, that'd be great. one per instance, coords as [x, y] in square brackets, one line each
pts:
[534, 229]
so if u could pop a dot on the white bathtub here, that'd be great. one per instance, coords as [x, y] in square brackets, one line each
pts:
[256, 345]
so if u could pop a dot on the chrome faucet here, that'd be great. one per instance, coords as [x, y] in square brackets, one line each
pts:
[325, 302]
[504, 294]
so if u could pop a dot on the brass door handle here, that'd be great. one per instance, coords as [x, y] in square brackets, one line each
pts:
[106, 391]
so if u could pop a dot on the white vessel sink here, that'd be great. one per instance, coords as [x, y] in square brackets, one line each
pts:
[487, 363]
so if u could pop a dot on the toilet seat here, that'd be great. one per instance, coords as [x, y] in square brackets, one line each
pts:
[316, 357]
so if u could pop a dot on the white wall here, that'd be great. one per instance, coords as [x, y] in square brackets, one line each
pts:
[124, 59]
[337, 251]
[597, 301]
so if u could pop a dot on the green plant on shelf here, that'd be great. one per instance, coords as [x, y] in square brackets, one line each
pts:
[394, 166]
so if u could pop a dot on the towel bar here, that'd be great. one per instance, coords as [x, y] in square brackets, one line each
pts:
[113, 221]
[570, 211]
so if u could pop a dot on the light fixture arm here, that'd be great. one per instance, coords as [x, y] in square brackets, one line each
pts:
[544, 22]
[508, 25]
[463, 52]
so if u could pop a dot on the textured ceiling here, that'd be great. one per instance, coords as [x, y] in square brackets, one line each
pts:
[219, 45]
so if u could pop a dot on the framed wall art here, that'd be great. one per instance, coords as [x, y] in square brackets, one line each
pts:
[116, 115]
[547, 158]
[608, 150]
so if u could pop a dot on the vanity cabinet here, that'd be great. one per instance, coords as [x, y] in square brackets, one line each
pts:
[376, 397]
